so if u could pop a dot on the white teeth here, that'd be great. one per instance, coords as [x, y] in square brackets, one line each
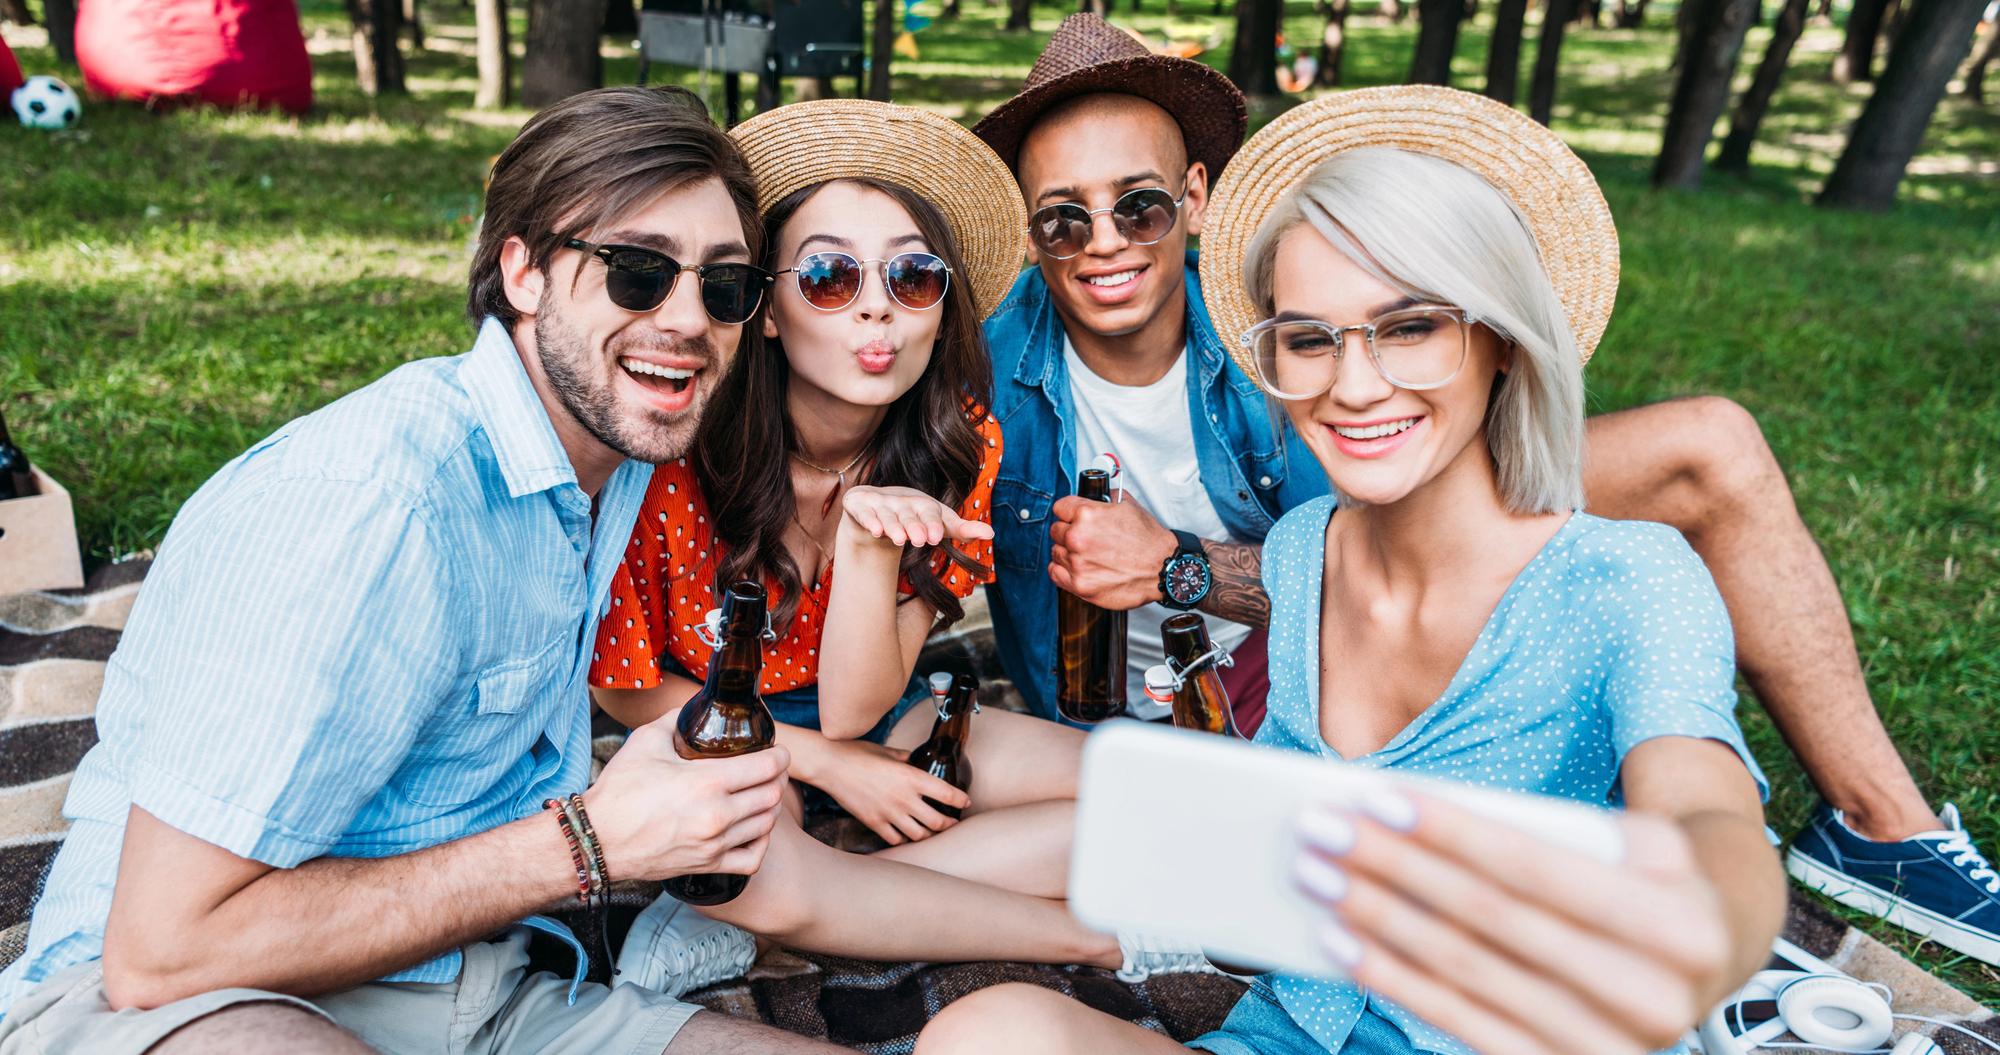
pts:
[1118, 279]
[1372, 432]
[669, 372]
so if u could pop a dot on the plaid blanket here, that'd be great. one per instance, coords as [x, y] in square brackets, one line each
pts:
[53, 646]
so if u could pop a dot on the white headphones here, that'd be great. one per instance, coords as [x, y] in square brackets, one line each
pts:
[1831, 1012]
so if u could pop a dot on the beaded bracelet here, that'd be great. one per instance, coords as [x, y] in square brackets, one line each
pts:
[576, 852]
[597, 892]
[591, 844]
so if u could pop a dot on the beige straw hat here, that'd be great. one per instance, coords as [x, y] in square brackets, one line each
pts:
[1549, 184]
[796, 146]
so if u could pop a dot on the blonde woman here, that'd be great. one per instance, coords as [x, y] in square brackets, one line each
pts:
[1430, 270]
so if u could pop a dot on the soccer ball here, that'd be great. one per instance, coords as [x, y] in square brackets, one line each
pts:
[45, 102]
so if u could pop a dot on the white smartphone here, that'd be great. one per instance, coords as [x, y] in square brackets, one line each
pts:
[1190, 835]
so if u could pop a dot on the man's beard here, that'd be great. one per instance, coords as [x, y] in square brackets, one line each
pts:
[655, 436]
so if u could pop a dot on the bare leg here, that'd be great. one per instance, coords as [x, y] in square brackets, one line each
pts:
[708, 1033]
[261, 1029]
[1015, 758]
[812, 897]
[1020, 848]
[1702, 466]
[1017, 1017]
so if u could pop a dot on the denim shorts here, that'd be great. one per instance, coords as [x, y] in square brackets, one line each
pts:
[1259, 1025]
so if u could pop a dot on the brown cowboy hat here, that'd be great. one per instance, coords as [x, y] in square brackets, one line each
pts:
[1087, 56]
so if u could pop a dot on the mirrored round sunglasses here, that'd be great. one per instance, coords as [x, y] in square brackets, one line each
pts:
[641, 279]
[1416, 348]
[831, 281]
[1142, 217]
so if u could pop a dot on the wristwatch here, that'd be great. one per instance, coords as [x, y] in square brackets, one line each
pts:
[1185, 577]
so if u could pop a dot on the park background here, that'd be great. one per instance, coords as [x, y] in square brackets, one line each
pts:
[174, 284]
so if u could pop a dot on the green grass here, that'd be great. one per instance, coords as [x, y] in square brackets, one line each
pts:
[172, 287]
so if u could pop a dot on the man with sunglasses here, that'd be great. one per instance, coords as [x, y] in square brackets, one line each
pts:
[346, 734]
[1106, 347]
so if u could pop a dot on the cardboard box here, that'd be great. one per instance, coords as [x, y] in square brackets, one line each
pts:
[38, 548]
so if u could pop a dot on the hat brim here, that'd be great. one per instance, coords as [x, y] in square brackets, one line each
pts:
[1537, 171]
[797, 146]
[1200, 99]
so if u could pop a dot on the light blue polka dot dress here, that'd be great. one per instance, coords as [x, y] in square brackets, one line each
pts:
[1612, 635]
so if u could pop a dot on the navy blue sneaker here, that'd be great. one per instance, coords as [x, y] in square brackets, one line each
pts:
[1933, 883]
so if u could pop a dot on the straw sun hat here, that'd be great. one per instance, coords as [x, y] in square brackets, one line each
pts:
[796, 146]
[1525, 161]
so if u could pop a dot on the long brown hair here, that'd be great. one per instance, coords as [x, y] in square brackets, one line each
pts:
[926, 441]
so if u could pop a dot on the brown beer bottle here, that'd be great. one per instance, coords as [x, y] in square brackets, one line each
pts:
[1090, 641]
[727, 717]
[943, 755]
[1200, 701]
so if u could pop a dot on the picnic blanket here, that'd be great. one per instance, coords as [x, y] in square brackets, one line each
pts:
[53, 646]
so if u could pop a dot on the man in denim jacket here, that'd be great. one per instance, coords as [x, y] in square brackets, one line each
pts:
[1111, 145]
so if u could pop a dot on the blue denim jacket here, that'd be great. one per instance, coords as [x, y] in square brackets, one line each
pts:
[1242, 452]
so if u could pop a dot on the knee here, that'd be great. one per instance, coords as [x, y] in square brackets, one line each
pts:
[1722, 452]
[1000, 1019]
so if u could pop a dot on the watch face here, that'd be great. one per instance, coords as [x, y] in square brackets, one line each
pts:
[1187, 579]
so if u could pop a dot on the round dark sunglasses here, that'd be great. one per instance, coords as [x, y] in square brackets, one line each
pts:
[1142, 216]
[641, 279]
[831, 281]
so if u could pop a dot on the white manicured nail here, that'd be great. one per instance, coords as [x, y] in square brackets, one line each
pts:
[1391, 809]
[1340, 946]
[1326, 830]
[1319, 879]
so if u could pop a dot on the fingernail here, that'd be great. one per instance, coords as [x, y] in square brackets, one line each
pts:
[1340, 946]
[1318, 878]
[1390, 809]
[1326, 831]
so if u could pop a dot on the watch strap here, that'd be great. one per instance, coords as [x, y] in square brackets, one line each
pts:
[1188, 544]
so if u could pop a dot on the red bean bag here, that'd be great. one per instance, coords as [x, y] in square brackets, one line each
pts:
[10, 73]
[227, 52]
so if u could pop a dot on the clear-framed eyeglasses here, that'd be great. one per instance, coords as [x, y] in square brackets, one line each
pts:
[1415, 348]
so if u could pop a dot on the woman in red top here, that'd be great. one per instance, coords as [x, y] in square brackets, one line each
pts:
[871, 379]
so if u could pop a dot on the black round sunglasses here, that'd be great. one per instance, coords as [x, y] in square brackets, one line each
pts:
[641, 279]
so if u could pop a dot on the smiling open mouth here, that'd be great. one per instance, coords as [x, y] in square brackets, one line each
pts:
[658, 377]
[1118, 279]
[1376, 432]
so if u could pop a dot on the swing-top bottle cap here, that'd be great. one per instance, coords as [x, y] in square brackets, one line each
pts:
[1161, 683]
[940, 683]
[1106, 463]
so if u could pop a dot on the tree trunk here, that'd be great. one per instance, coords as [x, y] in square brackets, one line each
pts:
[378, 63]
[1893, 18]
[1437, 38]
[1591, 10]
[881, 50]
[1891, 128]
[62, 29]
[1018, 12]
[413, 16]
[1630, 15]
[1100, 8]
[1823, 13]
[1503, 55]
[1398, 11]
[1857, 52]
[1702, 91]
[951, 9]
[811, 88]
[17, 12]
[1975, 78]
[561, 58]
[1253, 58]
[1750, 109]
[1542, 95]
[1333, 44]
[496, 58]
[1684, 19]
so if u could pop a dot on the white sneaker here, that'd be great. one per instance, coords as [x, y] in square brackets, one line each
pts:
[1147, 955]
[673, 949]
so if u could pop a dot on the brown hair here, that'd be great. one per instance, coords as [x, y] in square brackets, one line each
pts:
[927, 440]
[586, 161]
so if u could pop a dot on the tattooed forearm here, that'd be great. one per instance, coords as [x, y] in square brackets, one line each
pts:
[1237, 593]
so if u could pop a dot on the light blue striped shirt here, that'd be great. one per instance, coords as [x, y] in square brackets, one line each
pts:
[366, 635]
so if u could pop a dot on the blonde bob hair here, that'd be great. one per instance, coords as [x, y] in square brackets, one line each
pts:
[1439, 233]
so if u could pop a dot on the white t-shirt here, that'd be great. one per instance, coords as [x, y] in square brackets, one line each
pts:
[1147, 429]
